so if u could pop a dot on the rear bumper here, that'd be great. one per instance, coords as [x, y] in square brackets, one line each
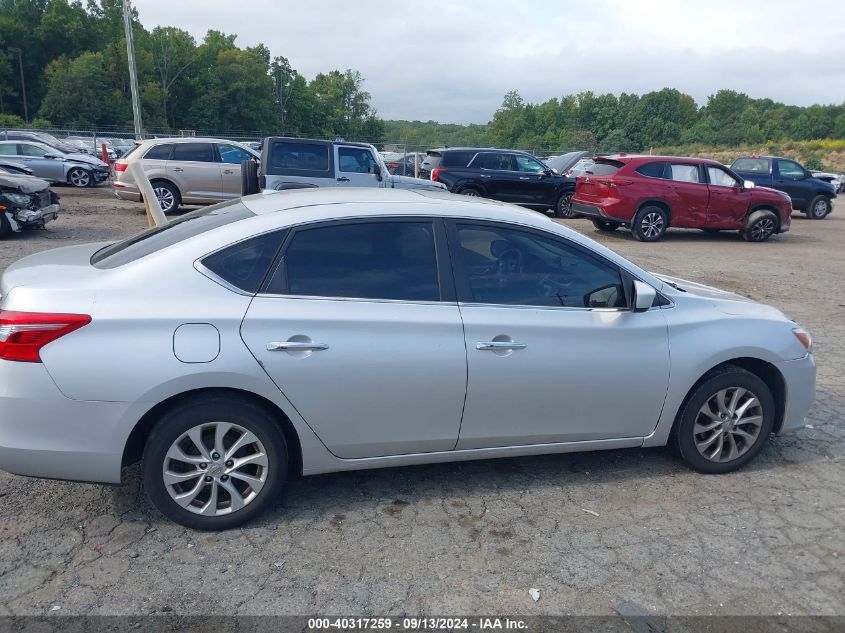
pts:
[126, 191]
[587, 210]
[45, 434]
[800, 379]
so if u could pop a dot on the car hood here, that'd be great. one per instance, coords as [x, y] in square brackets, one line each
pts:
[84, 158]
[409, 182]
[24, 184]
[563, 162]
[722, 300]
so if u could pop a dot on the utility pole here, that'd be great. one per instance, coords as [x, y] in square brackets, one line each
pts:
[133, 73]
[13, 49]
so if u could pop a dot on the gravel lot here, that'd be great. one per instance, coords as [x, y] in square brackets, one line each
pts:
[591, 531]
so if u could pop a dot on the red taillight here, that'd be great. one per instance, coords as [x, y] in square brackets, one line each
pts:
[23, 334]
[617, 182]
[119, 166]
[435, 173]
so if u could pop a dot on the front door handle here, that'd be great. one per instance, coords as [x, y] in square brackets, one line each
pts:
[523, 177]
[499, 345]
[485, 176]
[178, 169]
[343, 179]
[295, 346]
[228, 171]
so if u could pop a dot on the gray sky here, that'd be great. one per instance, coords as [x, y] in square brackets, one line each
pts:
[453, 60]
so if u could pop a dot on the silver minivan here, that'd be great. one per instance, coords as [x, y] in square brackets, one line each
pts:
[184, 170]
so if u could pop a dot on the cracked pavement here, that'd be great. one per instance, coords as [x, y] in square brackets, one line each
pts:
[591, 531]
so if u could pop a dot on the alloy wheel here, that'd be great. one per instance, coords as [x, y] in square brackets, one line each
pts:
[820, 208]
[165, 197]
[472, 193]
[216, 468]
[728, 424]
[80, 178]
[566, 205]
[652, 225]
[762, 229]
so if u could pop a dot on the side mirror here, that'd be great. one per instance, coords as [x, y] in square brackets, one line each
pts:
[748, 184]
[643, 296]
[549, 172]
[49, 156]
[377, 170]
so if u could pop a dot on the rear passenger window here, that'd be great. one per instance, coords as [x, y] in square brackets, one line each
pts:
[653, 170]
[159, 152]
[245, 264]
[756, 165]
[456, 159]
[684, 173]
[500, 162]
[373, 260]
[195, 152]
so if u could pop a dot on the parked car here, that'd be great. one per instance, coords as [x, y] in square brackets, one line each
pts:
[184, 170]
[87, 145]
[651, 193]
[401, 165]
[565, 160]
[25, 202]
[79, 170]
[293, 163]
[14, 167]
[38, 137]
[809, 195]
[837, 180]
[320, 331]
[509, 176]
[121, 145]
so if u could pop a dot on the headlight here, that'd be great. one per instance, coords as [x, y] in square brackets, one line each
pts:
[17, 198]
[804, 338]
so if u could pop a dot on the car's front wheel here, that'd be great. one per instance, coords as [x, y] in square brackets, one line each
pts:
[215, 463]
[725, 421]
[760, 226]
[819, 208]
[79, 177]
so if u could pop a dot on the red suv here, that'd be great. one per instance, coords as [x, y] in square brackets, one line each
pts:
[652, 193]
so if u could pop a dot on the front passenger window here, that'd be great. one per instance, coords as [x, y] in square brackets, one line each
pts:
[508, 266]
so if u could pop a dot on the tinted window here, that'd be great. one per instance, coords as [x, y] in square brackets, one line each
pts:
[491, 160]
[605, 167]
[245, 264]
[157, 238]
[684, 173]
[653, 170]
[757, 165]
[32, 150]
[160, 152]
[789, 169]
[9, 149]
[456, 159]
[232, 154]
[295, 155]
[528, 164]
[356, 160]
[379, 260]
[721, 177]
[509, 266]
[197, 152]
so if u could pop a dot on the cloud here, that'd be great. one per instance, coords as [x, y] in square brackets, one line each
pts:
[453, 61]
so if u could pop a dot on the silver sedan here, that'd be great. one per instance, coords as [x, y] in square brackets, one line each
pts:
[322, 330]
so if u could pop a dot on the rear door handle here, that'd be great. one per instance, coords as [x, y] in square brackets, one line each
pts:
[178, 169]
[497, 345]
[343, 179]
[228, 171]
[485, 176]
[523, 177]
[295, 346]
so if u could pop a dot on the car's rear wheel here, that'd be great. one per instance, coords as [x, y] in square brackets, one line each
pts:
[78, 177]
[214, 463]
[725, 422]
[819, 208]
[472, 192]
[605, 226]
[563, 208]
[168, 196]
[650, 224]
[760, 226]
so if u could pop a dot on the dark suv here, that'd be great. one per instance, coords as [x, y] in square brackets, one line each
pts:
[507, 175]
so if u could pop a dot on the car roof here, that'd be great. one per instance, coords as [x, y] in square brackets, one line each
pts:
[188, 139]
[646, 158]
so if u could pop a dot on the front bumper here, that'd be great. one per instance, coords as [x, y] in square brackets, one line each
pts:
[21, 218]
[100, 176]
[800, 379]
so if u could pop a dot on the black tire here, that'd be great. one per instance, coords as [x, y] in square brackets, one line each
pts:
[471, 191]
[650, 223]
[606, 227]
[5, 225]
[760, 226]
[249, 178]
[80, 178]
[168, 195]
[684, 436]
[819, 208]
[209, 410]
[563, 207]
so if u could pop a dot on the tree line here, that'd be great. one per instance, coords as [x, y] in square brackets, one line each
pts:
[76, 76]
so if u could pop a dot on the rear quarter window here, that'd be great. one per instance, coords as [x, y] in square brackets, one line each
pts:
[245, 264]
[160, 237]
[159, 152]
[756, 165]
[653, 170]
[456, 159]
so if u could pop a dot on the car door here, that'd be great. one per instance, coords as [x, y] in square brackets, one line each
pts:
[729, 199]
[791, 178]
[534, 186]
[553, 352]
[497, 173]
[358, 327]
[34, 155]
[689, 195]
[193, 167]
[356, 167]
[230, 157]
